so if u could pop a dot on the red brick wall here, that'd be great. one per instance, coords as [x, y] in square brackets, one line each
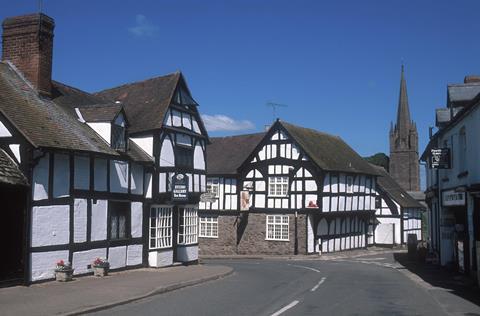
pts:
[27, 42]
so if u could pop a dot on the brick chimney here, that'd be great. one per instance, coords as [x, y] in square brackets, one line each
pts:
[471, 78]
[27, 42]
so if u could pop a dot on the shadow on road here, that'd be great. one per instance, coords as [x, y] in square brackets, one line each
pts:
[438, 276]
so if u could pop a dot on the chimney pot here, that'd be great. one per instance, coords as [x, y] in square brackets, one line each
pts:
[471, 78]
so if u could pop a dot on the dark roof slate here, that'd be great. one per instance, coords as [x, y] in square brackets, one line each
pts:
[42, 122]
[146, 102]
[386, 183]
[9, 171]
[329, 152]
[226, 154]
[462, 93]
[100, 112]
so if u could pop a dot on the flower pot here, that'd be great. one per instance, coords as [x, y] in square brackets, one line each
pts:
[64, 275]
[100, 271]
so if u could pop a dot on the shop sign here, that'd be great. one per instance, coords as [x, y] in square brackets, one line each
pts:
[180, 187]
[452, 198]
[208, 197]
[440, 158]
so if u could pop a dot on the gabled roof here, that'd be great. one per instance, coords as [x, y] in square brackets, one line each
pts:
[146, 102]
[329, 152]
[226, 154]
[42, 122]
[9, 171]
[101, 112]
[388, 185]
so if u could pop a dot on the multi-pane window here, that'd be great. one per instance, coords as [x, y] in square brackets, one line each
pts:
[212, 186]
[208, 227]
[160, 227]
[277, 227]
[183, 157]
[277, 186]
[119, 212]
[187, 226]
[118, 137]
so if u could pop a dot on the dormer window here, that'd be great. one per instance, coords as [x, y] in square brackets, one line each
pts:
[119, 133]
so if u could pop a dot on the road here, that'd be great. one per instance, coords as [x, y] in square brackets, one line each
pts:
[363, 286]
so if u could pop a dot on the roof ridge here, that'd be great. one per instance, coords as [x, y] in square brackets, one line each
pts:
[311, 129]
[241, 135]
[176, 73]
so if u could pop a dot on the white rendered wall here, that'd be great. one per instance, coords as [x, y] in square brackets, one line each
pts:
[61, 176]
[134, 255]
[40, 179]
[159, 259]
[43, 264]
[80, 220]
[117, 256]
[102, 129]
[15, 148]
[50, 225]
[388, 221]
[99, 220]
[198, 158]
[187, 254]
[82, 259]
[146, 143]
[136, 219]
[167, 156]
[136, 180]
[118, 176]
[310, 235]
[4, 132]
[82, 172]
[100, 174]
[148, 183]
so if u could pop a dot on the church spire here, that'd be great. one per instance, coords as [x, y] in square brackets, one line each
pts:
[403, 113]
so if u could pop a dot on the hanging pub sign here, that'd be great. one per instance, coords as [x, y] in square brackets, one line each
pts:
[440, 158]
[180, 187]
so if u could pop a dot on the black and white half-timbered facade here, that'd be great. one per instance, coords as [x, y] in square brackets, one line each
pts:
[291, 190]
[90, 175]
[397, 213]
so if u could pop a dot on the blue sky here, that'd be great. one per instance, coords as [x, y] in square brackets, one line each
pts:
[336, 64]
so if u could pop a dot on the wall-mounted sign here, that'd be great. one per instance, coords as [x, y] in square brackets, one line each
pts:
[440, 158]
[208, 197]
[452, 198]
[244, 200]
[180, 187]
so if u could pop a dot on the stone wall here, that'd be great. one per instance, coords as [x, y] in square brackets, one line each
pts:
[226, 243]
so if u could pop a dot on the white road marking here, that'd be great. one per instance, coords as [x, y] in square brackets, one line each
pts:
[318, 284]
[304, 267]
[284, 309]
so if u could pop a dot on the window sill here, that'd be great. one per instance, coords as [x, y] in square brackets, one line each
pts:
[277, 196]
[160, 248]
[272, 239]
[209, 237]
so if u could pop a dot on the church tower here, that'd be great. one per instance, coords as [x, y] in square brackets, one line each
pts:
[404, 165]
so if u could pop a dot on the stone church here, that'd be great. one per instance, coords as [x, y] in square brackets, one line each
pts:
[404, 164]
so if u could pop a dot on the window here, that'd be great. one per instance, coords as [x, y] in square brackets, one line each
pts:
[187, 226]
[277, 227]
[119, 213]
[160, 227]
[349, 184]
[209, 227]
[212, 186]
[183, 157]
[278, 186]
[118, 137]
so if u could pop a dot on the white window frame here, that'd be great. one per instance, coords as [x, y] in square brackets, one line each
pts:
[188, 232]
[213, 186]
[162, 227]
[208, 226]
[277, 227]
[278, 186]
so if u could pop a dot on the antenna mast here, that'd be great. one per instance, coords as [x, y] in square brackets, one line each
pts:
[274, 107]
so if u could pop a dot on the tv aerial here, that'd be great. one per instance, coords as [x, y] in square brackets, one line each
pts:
[274, 107]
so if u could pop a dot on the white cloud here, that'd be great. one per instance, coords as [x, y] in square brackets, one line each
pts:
[219, 122]
[143, 27]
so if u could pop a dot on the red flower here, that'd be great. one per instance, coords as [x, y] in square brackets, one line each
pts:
[60, 263]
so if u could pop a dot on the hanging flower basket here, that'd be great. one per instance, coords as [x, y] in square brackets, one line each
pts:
[63, 271]
[100, 267]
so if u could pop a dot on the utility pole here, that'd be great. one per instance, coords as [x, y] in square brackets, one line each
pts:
[274, 107]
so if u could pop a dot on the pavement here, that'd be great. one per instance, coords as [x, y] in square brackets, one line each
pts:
[89, 293]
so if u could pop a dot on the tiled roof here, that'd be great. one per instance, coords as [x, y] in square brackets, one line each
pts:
[100, 112]
[42, 122]
[226, 154]
[394, 191]
[458, 94]
[146, 102]
[9, 171]
[329, 152]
